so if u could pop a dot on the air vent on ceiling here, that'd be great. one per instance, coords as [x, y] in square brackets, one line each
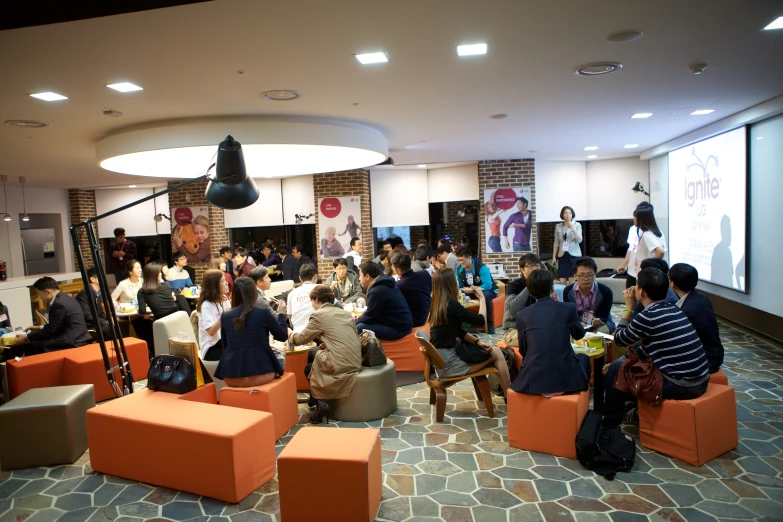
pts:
[27, 124]
[627, 35]
[595, 69]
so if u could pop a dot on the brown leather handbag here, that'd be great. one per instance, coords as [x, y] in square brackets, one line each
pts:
[640, 378]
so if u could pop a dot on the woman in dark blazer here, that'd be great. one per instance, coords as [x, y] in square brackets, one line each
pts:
[247, 358]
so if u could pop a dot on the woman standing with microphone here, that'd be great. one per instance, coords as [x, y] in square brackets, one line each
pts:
[568, 235]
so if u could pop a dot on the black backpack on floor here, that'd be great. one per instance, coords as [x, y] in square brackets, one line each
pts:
[604, 450]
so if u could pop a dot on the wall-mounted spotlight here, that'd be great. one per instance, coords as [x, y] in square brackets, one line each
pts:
[300, 217]
[159, 217]
[640, 188]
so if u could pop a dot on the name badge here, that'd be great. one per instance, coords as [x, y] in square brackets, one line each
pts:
[3, 317]
[565, 245]
[587, 317]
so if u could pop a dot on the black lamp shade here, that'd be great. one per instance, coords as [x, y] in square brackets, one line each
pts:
[231, 188]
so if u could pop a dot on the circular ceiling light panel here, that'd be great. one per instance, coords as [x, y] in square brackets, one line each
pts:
[281, 95]
[27, 124]
[625, 36]
[273, 147]
[595, 69]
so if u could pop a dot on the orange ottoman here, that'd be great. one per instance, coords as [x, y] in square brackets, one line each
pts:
[719, 378]
[405, 352]
[217, 452]
[35, 371]
[498, 308]
[351, 456]
[278, 398]
[536, 423]
[694, 431]
[295, 364]
[85, 366]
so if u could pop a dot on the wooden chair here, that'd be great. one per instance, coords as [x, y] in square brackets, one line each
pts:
[41, 318]
[72, 288]
[438, 386]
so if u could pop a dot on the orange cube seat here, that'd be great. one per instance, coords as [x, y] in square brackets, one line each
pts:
[278, 398]
[155, 438]
[294, 365]
[83, 365]
[352, 456]
[694, 431]
[546, 425]
[405, 352]
[719, 378]
[498, 306]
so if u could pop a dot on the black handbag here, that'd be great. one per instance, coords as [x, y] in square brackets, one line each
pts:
[171, 374]
[472, 353]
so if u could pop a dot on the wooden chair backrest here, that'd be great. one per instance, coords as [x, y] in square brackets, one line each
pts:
[72, 288]
[430, 352]
[41, 317]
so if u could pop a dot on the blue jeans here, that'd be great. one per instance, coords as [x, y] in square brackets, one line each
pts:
[615, 400]
[519, 247]
[494, 244]
[382, 332]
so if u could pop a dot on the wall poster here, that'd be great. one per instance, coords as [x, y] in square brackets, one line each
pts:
[338, 223]
[508, 224]
[190, 233]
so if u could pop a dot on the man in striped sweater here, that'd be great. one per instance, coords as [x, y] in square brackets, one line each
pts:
[666, 336]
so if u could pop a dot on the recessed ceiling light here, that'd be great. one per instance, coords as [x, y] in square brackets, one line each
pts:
[702, 112]
[472, 49]
[776, 24]
[28, 124]
[591, 148]
[628, 35]
[422, 166]
[49, 96]
[368, 58]
[125, 87]
[131, 186]
[595, 69]
[281, 95]
[640, 115]
[632, 146]
[592, 156]
[498, 116]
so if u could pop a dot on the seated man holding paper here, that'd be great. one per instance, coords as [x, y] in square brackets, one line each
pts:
[593, 300]
[549, 366]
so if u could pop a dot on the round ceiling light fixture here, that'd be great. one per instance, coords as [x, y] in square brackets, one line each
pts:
[27, 124]
[625, 36]
[595, 69]
[281, 95]
[274, 147]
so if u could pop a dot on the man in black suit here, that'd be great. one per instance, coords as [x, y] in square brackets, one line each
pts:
[83, 300]
[698, 309]
[550, 366]
[66, 328]
[288, 265]
[301, 257]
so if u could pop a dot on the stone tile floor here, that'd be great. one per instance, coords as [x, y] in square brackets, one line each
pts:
[463, 470]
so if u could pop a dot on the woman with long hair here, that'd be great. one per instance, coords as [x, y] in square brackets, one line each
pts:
[333, 365]
[492, 216]
[156, 294]
[247, 359]
[568, 235]
[218, 263]
[649, 241]
[128, 289]
[211, 304]
[445, 320]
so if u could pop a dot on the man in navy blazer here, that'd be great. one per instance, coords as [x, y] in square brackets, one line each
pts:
[416, 287]
[288, 265]
[550, 365]
[697, 307]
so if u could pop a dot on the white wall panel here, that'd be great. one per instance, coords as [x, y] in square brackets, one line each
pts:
[162, 207]
[137, 221]
[399, 197]
[609, 184]
[266, 211]
[659, 194]
[560, 183]
[452, 184]
[298, 198]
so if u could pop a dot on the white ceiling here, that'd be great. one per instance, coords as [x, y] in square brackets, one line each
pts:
[432, 106]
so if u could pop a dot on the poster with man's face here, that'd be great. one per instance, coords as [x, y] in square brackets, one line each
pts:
[190, 233]
[338, 223]
[508, 222]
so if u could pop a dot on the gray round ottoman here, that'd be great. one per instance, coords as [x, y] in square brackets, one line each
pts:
[374, 396]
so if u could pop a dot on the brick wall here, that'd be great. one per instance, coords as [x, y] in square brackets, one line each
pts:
[418, 233]
[455, 225]
[218, 235]
[502, 174]
[81, 205]
[546, 241]
[346, 183]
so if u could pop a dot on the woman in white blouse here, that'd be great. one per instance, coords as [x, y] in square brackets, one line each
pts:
[212, 302]
[651, 242]
[568, 235]
[128, 288]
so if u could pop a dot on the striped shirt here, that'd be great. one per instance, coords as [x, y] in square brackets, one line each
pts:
[669, 339]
